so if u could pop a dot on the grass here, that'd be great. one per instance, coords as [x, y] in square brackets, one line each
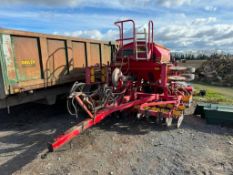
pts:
[214, 94]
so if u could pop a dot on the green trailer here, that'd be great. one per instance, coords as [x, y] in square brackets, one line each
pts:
[41, 67]
[215, 113]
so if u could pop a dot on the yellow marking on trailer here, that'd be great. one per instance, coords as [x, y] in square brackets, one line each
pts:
[27, 62]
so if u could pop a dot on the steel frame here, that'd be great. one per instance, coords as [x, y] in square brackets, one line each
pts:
[91, 121]
[132, 95]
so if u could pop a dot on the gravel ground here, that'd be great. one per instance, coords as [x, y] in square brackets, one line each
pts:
[115, 146]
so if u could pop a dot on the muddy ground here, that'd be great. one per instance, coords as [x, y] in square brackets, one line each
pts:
[116, 146]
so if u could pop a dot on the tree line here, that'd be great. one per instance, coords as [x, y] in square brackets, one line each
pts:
[198, 56]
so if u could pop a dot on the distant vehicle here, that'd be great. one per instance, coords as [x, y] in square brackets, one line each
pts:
[183, 60]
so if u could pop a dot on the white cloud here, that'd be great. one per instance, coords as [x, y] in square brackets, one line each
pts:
[61, 21]
[183, 33]
[99, 3]
[176, 37]
[92, 34]
[217, 36]
[210, 8]
[186, 27]
[171, 3]
[110, 35]
[201, 21]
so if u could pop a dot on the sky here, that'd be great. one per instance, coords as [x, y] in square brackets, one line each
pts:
[181, 25]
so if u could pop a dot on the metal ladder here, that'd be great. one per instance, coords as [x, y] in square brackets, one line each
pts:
[147, 41]
[139, 39]
[141, 45]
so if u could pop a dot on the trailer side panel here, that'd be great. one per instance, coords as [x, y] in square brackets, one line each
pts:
[33, 61]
